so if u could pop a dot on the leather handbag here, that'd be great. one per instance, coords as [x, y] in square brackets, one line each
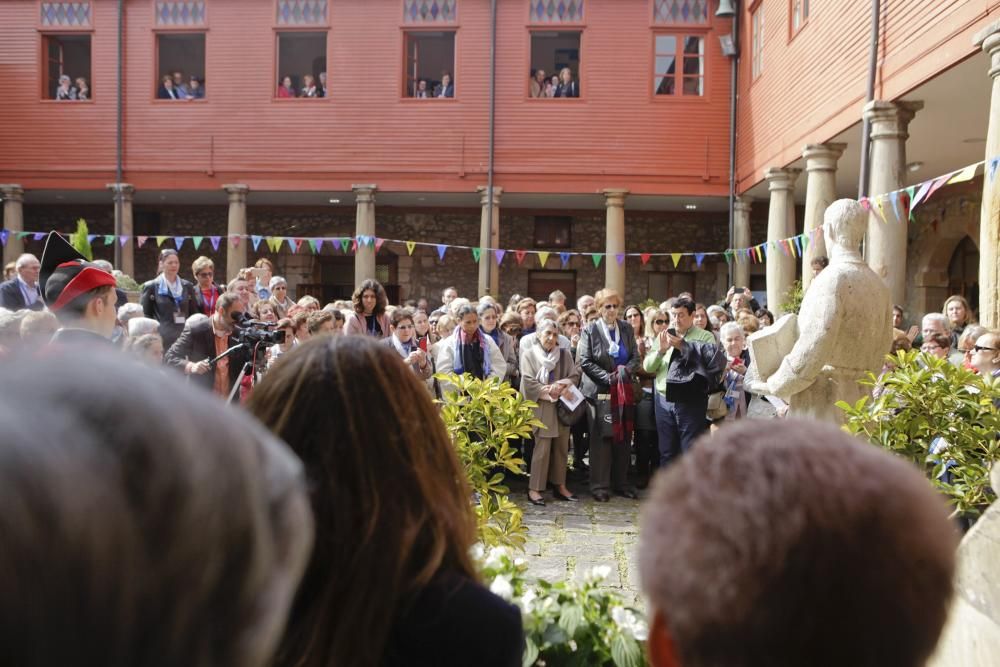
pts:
[717, 408]
[603, 426]
[569, 417]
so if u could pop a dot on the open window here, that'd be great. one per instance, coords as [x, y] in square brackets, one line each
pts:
[679, 65]
[555, 64]
[430, 64]
[301, 65]
[67, 67]
[180, 59]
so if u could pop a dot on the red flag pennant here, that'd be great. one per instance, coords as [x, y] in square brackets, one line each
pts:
[235, 240]
[378, 244]
[644, 257]
[519, 255]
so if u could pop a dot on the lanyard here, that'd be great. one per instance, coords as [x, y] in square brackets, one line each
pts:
[210, 305]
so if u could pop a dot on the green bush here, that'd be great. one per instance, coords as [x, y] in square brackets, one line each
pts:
[793, 298]
[80, 242]
[127, 283]
[923, 399]
[482, 417]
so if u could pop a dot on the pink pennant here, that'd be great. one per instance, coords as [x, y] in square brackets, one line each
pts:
[378, 244]
[141, 240]
[520, 255]
[235, 240]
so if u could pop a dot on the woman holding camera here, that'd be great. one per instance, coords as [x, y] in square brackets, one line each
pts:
[404, 341]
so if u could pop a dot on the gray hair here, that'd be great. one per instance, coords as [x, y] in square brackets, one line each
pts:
[463, 310]
[730, 327]
[541, 326]
[545, 313]
[24, 259]
[128, 311]
[103, 265]
[140, 326]
[486, 305]
[937, 317]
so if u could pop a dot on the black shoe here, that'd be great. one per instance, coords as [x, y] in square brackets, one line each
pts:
[601, 497]
[570, 498]
[628, 493]
[539, 501]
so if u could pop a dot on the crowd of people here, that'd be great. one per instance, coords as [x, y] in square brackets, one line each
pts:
[174, 87]
[330, 522]
[72, 89]
[559, 85]
[311, 86]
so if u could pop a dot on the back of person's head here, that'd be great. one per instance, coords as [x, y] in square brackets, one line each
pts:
[391, 501]
[140, 326]
[795, 545]
[134, 535]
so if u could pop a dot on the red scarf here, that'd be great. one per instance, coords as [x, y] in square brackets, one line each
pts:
[622, 407]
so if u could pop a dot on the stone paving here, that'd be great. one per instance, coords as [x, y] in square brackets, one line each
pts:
[565, 539]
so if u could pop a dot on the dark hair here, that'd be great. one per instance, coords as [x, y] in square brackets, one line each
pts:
[167, 252]
[316, 320]
[814, 520]
[388, 518]
[821, 262]
[381, 300]
[642, 316]
[78, 307]
[226, 301]
[146, 537]
[338, 315]
[941, 340]
[764, 312]
[399, 315]
[685, 303]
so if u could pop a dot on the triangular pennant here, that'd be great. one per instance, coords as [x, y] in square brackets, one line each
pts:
[216, 240]
[564, 257]
[273, 244]
[644, 258]
[938, 183]
[318, 245]
[179, 241]
[596, 257]
[345, 244]
[410, 245]
[256, 239]
[921, 193]
[907, 201]
[297, 245]
[24, 235]
[354, 245]
[865, 203]
[699, 257]
[676, 256]
[41, 235]
[378, 244]
[879, 208]
[3, 237]
[798, 243]
[235, 240]
[292, 245]
[312, 245]
[727, 254]
[196, 240]
[994, 163]
[805, 241]
[123, 239]
[160, 240]
[894, 200]
[519, 255]
[966, 174]
[141, 240]
[476, 254]
[499, 255]
[542, 258]
[442, 249]
[620, 258]
[90, 237]
[109, 239]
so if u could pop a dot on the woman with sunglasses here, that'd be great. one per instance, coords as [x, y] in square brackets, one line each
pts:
[169, 299]
[647, 451]
[207, 292]
[279, 296]
[404, 341]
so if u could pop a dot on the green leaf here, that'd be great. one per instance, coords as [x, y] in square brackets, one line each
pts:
[571, 619]
[530, 653]
[625, 651]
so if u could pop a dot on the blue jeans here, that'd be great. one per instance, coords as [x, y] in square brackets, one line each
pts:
[677, 426]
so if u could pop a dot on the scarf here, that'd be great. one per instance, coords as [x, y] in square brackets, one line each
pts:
[622, 407]
[174, 291]
[404, 349]
[546, 361]
[461, 339]
[612, 343]
[495, 334]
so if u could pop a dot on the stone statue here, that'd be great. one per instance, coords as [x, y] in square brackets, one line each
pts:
[844, 326]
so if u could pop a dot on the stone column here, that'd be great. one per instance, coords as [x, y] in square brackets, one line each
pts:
[489, 237]
[989, 222]
[821, 191]
[364, 225]
[885, 245]
[13, 221]
[125, 253]
[236, 258]
[614, 273]
[780, 225]
[741, 239]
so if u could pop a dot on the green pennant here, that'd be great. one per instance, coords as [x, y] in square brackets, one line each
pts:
[312, 244]
[909, 201]
[596, 258]
[345, 244]
[22, 235]
[476, 254]
[109, 239]
[197, 241]
[160, 240]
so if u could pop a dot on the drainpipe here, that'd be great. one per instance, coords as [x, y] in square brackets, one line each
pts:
[733, 78]
[866, 124]
[492, 121]
[118, 138]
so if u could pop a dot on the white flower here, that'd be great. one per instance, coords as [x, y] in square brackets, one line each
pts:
[495, 557]
[572, 645]
[519, 561]
[640, 630]
[478, 551]
[527, 601]
[629, 623]
[501, 586]
[598, 573]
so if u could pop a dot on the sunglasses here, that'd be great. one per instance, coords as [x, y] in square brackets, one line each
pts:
[661, 322]
[205, 274]
[610, 306]
[635, 315]
[980, 348]
[574, 323]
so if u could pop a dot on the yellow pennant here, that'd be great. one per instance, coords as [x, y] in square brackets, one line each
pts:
[676, 256]
[410, 246]
[542, 258]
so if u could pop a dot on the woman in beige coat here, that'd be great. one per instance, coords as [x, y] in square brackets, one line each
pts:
[547, 371]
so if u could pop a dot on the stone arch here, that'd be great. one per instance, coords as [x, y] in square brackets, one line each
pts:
[940, 228]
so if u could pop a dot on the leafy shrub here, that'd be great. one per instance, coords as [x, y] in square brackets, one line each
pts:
[126, 282]
[940, 417]
[568, 624]
[793, 298]
[482, 417]
[80, 242]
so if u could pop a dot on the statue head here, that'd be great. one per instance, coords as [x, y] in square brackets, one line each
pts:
[844, 225]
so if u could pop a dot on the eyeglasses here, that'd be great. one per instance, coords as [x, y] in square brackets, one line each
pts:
[205, 274]
[573, 323]
[980, 348]
[660, 322]
[610, 306]
[404, 326]
[635, 315]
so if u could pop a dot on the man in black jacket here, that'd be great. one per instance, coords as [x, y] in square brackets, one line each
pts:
[207, 339]
[22, 291]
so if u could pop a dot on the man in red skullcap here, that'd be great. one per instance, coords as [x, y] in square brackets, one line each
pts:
[80, 293]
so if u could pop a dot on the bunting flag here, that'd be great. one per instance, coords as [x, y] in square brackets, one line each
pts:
[160, 240]
[620, 258]
[378, 244]
[90, 237]
[596, 258]
[564, 258]
[40, 235]
[699, 257]
[519, 255]
[235, 240]
[292, 245]
[23, 235]
[109, 239]
[441, 248]
[3, 237]
[197, 241]
[216, 240]
[179, 241]
[141, 240]
[256, 241]
[542, 258]
[476, 254]
[907, 200]
[317, 245]
[880, 209]
[936, 185]
[273, 244]
[676, 256]
[799, 240]
[345, 244]
[123, 240]
[994, 163]
[894, 200]
[966, 174]
[644, 258]
[729, 256]
[410, 246]
[499, 255]
[921, 193]
[297, 244]
[313, 246]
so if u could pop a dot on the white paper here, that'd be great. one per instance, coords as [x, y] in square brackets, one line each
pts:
[571, 397]
[776, 402]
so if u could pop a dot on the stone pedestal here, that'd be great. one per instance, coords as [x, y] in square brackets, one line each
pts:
[821, 190]
[780, 225]
[885, 249]
[614, 273]
[236, 257]
[741, 239]
[13, 221]
[124, 193]
[989, 225]
[489, 237]
[364, 225]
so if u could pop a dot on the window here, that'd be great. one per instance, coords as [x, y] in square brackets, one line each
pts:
[756, 41]
[800, 14]
[430, 64]
[555, 11]
[180, 66]
[543, 283]
[301, 65]
[555, 64]
[664, 284]
[67, 67]
[680, 11]
[553, 231]
[689, 79]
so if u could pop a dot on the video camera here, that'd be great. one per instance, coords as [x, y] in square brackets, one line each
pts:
[251, 333]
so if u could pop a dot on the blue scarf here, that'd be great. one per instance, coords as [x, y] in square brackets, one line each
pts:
[460, 339]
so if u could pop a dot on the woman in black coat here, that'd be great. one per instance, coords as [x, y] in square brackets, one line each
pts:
[169, 299]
